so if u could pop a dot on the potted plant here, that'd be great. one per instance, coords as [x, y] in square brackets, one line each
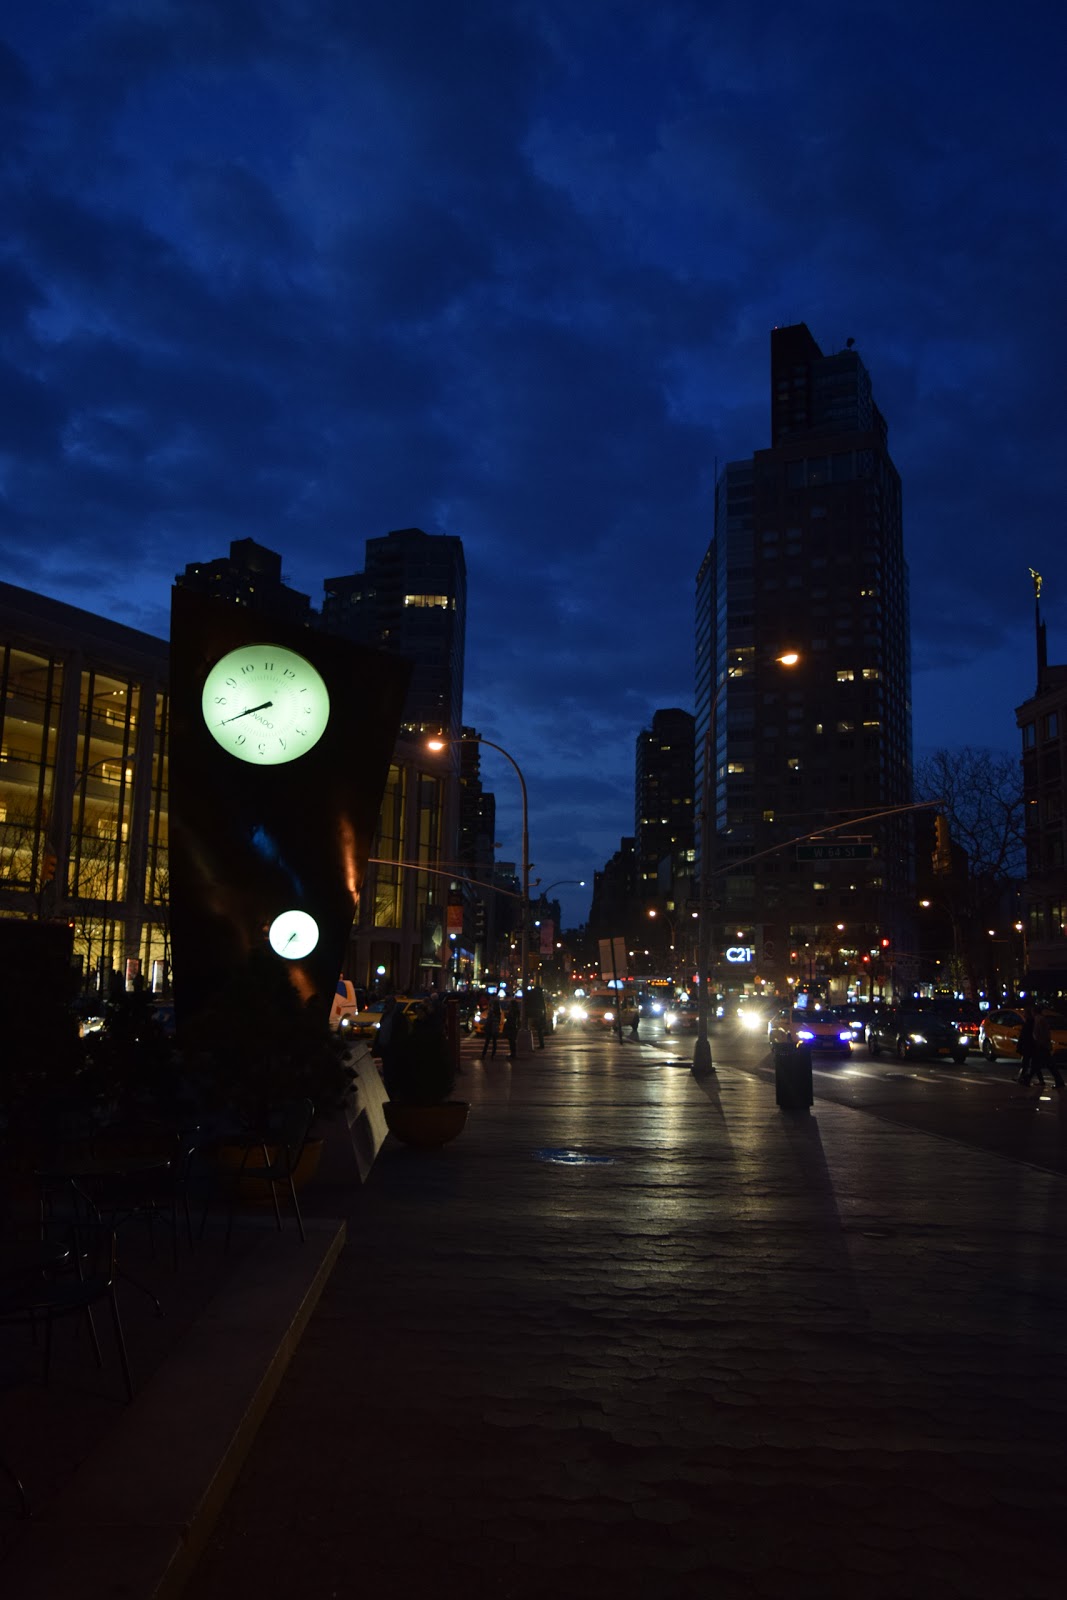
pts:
[420, 1073]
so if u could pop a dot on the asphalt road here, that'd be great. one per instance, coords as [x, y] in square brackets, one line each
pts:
[979, 1103]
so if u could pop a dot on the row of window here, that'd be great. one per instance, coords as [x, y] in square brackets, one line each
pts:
[1050, 728]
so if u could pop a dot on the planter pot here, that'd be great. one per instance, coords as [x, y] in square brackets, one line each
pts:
[254, 1191]
[426, 1127]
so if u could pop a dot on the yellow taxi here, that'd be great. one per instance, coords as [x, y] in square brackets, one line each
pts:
[999, 1033]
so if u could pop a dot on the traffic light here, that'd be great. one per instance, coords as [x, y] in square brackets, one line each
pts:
[942, 859]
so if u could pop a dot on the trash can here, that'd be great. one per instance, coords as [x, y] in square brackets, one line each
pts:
[792, 1076]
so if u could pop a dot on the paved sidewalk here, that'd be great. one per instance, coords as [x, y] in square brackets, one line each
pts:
[635, 1335]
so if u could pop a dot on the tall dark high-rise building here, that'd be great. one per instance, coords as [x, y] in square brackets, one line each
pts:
[807, 556]
[411, 597]
[663, 804]
[250, 576]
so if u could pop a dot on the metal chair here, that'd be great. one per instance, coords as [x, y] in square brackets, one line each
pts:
[42, 1292]
[287, 1142]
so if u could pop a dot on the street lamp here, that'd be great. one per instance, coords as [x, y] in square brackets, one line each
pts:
[702, 1047]
[524, 1043]
[543, 894]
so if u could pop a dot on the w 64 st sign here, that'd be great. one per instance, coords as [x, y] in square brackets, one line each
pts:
[834, 852]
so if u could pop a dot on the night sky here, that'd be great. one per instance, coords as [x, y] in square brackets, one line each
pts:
[306, 272]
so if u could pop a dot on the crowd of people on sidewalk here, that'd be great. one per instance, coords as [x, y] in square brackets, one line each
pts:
[501, 1024]
[1035, 1048]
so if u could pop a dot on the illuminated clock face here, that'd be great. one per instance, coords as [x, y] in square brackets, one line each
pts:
[265, 704]
[293, 934]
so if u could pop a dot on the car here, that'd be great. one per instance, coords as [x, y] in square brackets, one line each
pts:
[364, 1024]
[686, 1018]
[755, 1014]
[963, 1013]
[999, 1034]
[345, 1007]
[820, 1030]
[855, 1015]
[917, 1030]
[601, 1009]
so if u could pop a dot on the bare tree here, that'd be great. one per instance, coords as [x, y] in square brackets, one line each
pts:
[980, 795]
[18, 834]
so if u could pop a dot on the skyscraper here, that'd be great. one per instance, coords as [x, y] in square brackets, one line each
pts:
[807, 556]
[411, 597]
[663, 804]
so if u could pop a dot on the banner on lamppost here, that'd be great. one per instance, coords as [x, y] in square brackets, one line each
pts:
[433, 937]
[612, 959]
[548, 938]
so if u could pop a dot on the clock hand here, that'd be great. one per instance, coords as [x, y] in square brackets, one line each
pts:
[247, 713]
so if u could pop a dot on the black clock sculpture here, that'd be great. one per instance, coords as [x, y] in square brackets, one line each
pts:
[279, 749]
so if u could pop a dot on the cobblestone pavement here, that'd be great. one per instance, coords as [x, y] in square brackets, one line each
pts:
[635, 1334]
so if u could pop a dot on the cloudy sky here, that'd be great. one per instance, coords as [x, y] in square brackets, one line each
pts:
[309, 270]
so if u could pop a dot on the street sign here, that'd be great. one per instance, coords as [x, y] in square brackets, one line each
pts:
[834, 852]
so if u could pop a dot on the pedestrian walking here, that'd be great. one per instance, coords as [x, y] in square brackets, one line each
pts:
[492, 1029]
[1024, 1044]
[1043, 1056]
[512, 1021]
[537, 1014]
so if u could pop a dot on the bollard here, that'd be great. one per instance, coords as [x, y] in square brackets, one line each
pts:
[792, 1076]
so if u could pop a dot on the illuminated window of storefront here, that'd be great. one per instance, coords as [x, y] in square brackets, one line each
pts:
[388, 879]
[30, 690]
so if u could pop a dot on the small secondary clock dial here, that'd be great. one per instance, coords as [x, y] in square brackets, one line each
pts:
[293, 934]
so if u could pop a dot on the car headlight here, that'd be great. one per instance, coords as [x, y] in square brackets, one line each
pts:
[609, 1016]
[578, 1013]
[845, 1036]
[805, 1034]
[751, 1022]
[917, 1038]
[964, 1039]
[670, 1018]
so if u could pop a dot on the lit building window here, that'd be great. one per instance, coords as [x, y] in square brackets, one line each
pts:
[845, 675]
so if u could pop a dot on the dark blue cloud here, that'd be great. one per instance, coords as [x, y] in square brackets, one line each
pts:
[308, 271]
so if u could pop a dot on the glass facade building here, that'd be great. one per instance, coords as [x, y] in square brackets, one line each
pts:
[83, 783]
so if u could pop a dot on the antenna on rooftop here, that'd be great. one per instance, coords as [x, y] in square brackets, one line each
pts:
[1039, 630]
